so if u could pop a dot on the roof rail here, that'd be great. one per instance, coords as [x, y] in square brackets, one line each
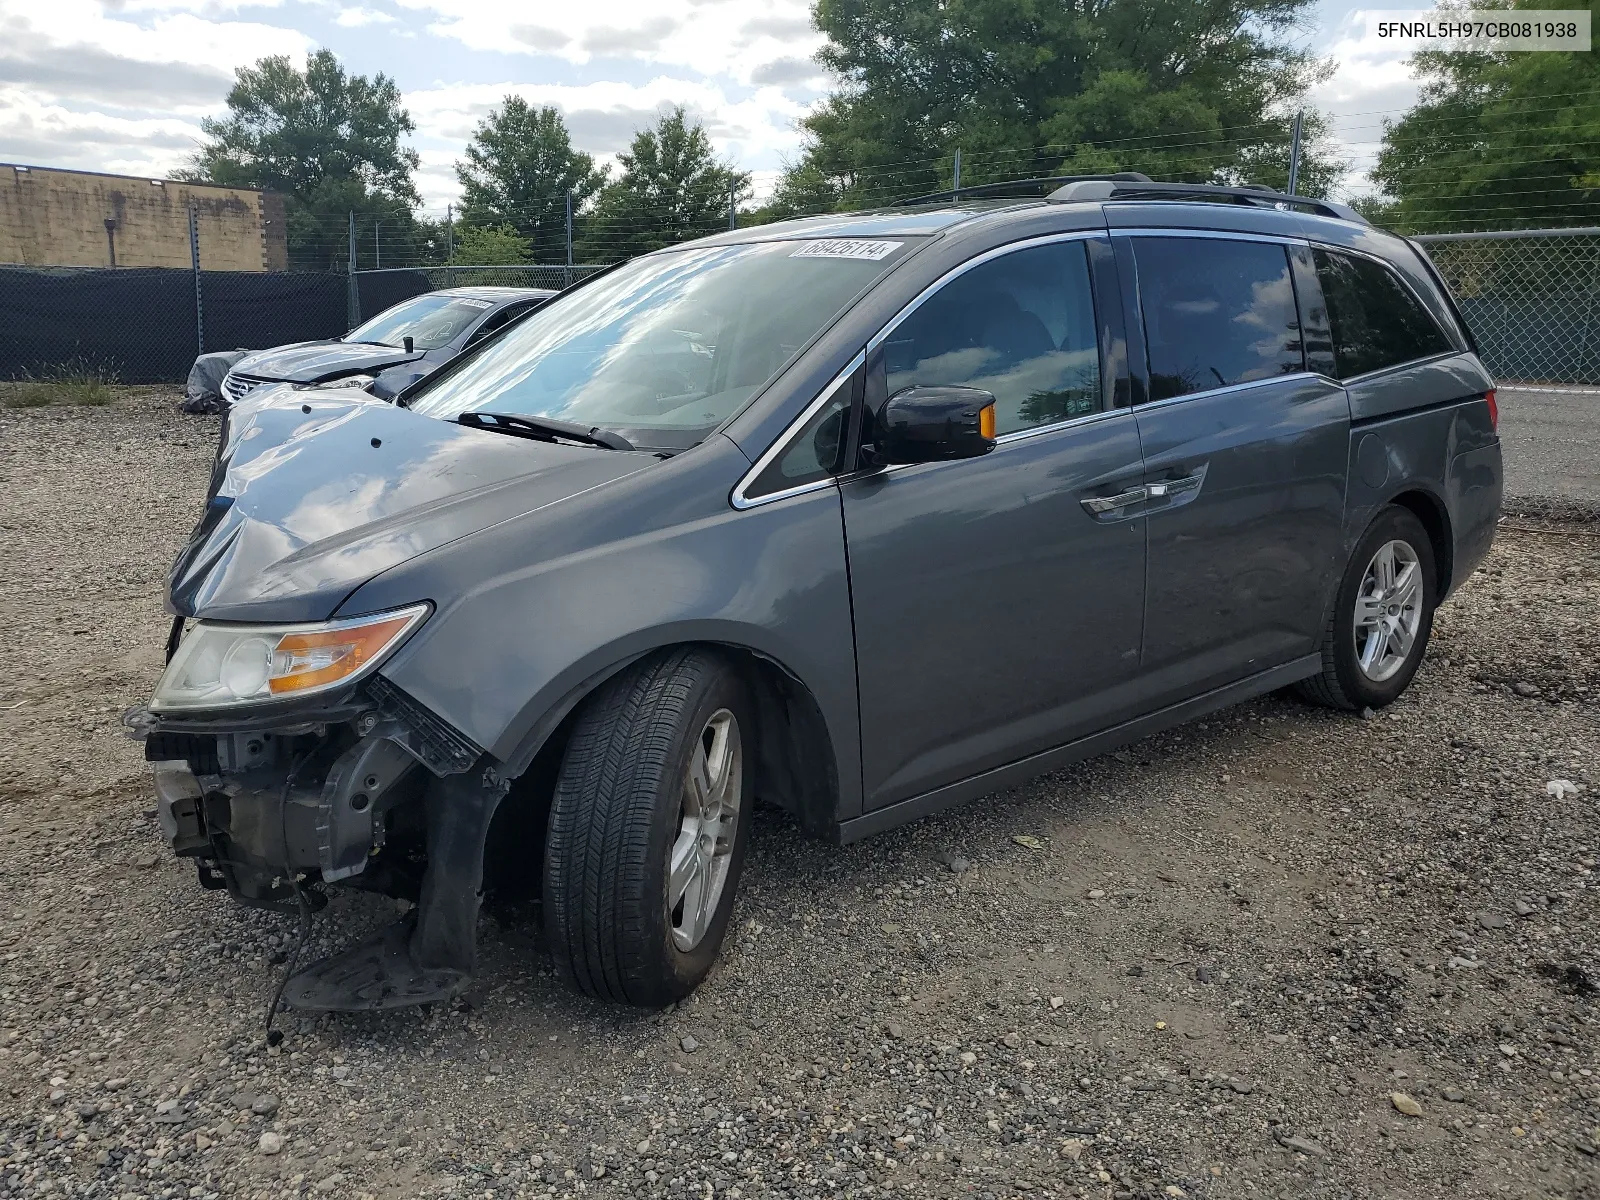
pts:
[1018, 187]
[1111, 188]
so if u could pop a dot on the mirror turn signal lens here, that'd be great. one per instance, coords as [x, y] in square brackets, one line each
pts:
[986, 421]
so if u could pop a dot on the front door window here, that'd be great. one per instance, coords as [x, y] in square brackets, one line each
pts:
[1020, 326]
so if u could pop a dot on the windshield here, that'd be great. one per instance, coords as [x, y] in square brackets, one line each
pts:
[429, 321]
[668, 347]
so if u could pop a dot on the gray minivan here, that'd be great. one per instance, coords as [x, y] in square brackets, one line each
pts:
[861, 515]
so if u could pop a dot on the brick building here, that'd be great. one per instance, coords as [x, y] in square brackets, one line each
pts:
[59, 218]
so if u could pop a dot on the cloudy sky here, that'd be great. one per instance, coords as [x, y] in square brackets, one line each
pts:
[121, 85]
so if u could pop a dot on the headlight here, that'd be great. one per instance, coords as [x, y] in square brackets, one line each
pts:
[218, 666]
[355, 381]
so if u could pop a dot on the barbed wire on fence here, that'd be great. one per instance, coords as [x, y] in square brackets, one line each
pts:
[1529, 295]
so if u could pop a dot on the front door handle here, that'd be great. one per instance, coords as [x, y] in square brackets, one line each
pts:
[1108, 506]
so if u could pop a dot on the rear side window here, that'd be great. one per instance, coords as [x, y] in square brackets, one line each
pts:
[1021, 326]
[1216, 313]
[1376, 322]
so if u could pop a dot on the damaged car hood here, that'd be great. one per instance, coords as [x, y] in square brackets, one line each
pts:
[311, 362]
[314, 493]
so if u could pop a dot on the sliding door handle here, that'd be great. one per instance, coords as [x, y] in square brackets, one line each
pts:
[1176, 490]
[1164, 488]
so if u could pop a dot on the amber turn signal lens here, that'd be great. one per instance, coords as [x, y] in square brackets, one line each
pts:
[986, 421]
[308, 660]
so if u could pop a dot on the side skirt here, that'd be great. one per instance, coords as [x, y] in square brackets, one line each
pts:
[1025, 769]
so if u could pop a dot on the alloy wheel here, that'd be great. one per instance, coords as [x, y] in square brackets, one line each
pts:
[1388, 610]
[697, 870]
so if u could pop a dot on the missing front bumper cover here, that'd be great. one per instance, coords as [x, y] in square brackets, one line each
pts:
[346, 805]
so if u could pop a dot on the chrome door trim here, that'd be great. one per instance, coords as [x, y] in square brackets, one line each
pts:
[1016, 435]
[783, 441]
[1151, 405]
[1378, 372]
[1226, 235]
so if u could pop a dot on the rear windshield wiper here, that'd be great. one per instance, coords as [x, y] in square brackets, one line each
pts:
[544, 429]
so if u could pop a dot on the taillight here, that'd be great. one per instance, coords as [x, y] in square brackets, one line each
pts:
[1494, 409]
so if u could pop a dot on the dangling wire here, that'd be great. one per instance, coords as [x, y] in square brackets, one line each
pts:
[275, 1036]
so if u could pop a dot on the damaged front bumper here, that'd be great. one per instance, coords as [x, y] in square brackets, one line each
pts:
[369, 791]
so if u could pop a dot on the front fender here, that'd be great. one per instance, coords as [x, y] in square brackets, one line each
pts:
[534, 613]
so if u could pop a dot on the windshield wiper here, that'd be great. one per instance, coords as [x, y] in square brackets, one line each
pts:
[544, 429]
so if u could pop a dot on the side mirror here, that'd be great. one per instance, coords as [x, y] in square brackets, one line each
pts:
[934, 424]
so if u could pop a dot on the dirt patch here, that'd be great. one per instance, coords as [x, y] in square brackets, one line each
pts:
[1227, 949]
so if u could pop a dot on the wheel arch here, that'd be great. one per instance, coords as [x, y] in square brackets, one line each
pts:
[798, 759]
[1435, 517]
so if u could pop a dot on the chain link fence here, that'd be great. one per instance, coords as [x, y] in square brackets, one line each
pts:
[147, 324]
[1530, 297]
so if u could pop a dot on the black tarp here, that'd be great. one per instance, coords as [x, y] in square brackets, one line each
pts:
[138, 323]
[256, 311]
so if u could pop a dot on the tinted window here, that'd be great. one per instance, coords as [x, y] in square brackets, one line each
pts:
[1376, 321]
[1216, 313]
[505, 316]
[1020, 326]
[489, 326]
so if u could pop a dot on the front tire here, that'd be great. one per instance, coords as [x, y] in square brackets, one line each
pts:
[648, 828]
[1381, 620]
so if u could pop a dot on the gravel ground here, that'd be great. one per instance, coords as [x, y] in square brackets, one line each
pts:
[1282, 952]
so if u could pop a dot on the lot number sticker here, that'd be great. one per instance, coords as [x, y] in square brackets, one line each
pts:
[847, 248]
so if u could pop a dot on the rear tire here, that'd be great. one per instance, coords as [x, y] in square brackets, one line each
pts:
[1378, 631]
[648, 828]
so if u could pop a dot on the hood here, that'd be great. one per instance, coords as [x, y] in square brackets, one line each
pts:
[313, 493]
[311, 362]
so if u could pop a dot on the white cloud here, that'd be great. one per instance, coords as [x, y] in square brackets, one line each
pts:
[1371, 83]
[731, 38]
[168, 37]
[35, 132]
[354, 18]
[89, 86]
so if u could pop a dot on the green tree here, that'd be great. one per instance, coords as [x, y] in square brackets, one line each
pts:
[330, 141]
[672, 188]
[1183, 91]
[518, 169]
[490, 246]
[1495, 141]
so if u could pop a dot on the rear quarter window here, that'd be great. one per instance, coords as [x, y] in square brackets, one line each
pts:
[1376, 321]
[1216, 313]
